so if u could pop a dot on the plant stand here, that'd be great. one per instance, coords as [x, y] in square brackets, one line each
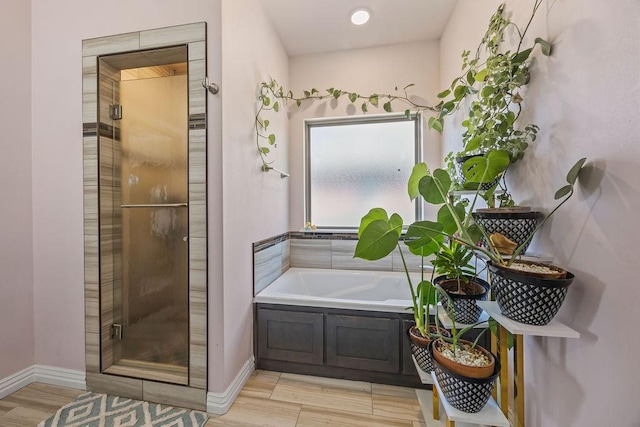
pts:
[519, 330]
[430, 406]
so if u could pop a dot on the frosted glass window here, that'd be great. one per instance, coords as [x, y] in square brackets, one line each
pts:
[356, 165]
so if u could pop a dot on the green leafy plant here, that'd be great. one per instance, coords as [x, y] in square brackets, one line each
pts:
[272, 97]
[453, 261]
[490, 85]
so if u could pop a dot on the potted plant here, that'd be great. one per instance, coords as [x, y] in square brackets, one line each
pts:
[423, 294]
[490, 84]
[459, 279]
[465, 370]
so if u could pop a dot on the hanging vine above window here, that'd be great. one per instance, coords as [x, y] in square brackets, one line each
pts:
[273, 97]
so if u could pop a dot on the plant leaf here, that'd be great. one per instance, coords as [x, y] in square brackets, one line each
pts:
[486, 168]
[563, 191]
[265, 124]
[435, 124]
[545, 46]
[425, 288]
[272, 139]
[353, 97]
[374, 214]
[407, 113]
[444, 93]
[574, 172]
[481, 75]
[521, 57]
[364, 107]
[377, 240]
[276, 106]
[426, 235]
[387, 106]
[445, 218]
[434, 187]
[373, 99]
[298, 102]
[419, 170]
[264, 150]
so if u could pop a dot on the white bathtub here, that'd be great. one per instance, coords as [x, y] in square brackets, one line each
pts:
[348, 289]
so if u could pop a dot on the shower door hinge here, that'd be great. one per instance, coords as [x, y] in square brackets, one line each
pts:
[115, 112]
[116, 331]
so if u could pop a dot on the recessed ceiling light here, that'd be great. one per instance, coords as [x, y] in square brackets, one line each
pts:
[360, 16]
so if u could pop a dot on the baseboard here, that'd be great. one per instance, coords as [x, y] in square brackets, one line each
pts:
[219, 403]
[42, 374]
[60, 377]
[16, 381]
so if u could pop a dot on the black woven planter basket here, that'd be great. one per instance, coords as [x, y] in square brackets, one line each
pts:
[459, 161]
[421, 353]
[516, 226]
[464, 307]
[465, 394]
[527, 299]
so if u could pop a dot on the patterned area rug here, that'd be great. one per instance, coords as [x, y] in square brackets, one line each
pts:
[101, 410]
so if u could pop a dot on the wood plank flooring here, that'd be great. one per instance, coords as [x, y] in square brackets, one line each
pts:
[267, 399]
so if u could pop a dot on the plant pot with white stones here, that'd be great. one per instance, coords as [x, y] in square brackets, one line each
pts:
[529, 292]
[466, 374]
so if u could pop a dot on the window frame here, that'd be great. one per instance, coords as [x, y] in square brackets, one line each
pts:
[416, 117]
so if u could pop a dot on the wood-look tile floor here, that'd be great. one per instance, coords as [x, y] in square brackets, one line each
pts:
[267, 399]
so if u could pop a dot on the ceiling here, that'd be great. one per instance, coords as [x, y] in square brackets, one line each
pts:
[312, 26]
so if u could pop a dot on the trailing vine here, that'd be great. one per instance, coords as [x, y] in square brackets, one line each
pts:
[273, 97]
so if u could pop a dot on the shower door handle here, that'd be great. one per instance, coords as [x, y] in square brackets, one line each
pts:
[157, 205]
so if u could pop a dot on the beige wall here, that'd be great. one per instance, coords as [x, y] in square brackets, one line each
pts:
[366, 71]
[254, 203]
[16, 237]
[585, 98]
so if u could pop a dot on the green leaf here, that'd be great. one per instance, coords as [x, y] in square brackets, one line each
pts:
[395, 221]
[475, 233]
[374, 214]
[435, 188]
[426, 235]
[545, 46]
[377, 240]
[447, 220]
[337, 93]
[373, 99]
[407, 113]
[419, 170]
[487, 91]
[486, 168]
[563, 191]
[314, 90]
[574, 172]
[307, 93]
[473, 144]
[435, 124]
[264, 150]
[426, 289]
[444, 93]
[387, 106]
[266, 101]
[330, 90]
[298, 102]
[364, 107]
[353, 97]
[272, 139]
[481, 75]
[447, 107]
[460, 91]
[265, 124]
[470, 77]
[276, 107]
[521, 57]
[408, 86]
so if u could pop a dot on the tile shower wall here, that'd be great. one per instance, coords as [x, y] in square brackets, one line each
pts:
[274, 256]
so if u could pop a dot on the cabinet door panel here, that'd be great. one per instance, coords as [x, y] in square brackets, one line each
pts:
[291, 336]
[366, 343]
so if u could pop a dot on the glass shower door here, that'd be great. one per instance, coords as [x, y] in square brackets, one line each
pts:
[150, 331]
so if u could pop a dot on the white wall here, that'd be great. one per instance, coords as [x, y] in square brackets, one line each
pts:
[585, 98]
[16, 260]
[365, 71]
[254, 203]
[57, 33]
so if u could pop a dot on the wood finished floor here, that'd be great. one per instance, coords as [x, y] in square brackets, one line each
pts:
[267, 399]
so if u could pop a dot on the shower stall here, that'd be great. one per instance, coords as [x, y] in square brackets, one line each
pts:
[144, 206]
[144, 136]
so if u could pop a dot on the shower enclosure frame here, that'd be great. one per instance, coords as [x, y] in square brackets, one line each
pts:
[98, 321]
